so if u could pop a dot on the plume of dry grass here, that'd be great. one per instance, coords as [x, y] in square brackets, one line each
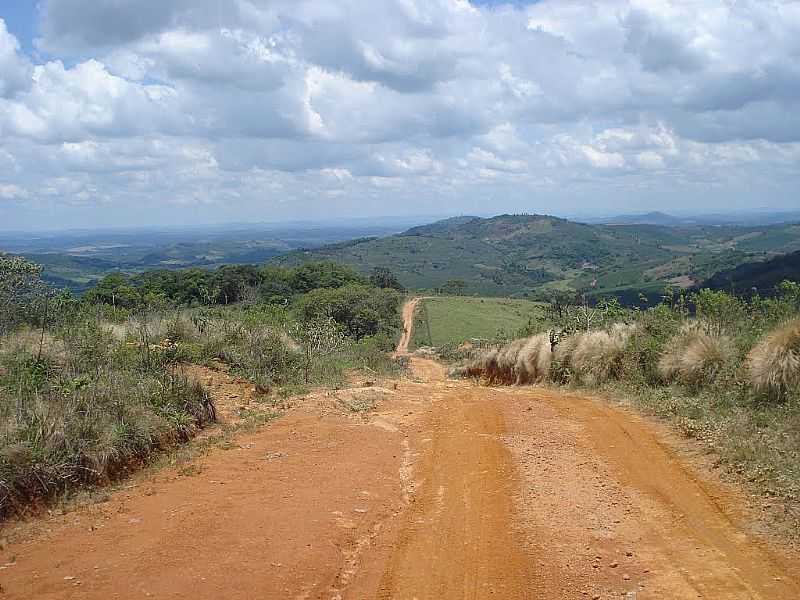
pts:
[773, 365]
[480, 365]
[592, 357]
[495, 365]
[694, 356]
[507, 361]
[533, 359]
[595, 356]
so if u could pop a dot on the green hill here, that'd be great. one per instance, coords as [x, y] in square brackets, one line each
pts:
[515, 255]
[763, 275]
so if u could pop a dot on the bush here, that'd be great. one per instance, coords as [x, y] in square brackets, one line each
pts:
[361, 310]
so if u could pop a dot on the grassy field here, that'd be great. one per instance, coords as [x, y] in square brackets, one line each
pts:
[454, 319]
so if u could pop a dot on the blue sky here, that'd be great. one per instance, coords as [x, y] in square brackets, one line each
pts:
[20, 17]
[132, 112]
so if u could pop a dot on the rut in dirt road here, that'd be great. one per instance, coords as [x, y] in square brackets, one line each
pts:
[445, 490]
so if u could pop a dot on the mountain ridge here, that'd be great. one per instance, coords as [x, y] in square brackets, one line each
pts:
[528, 254]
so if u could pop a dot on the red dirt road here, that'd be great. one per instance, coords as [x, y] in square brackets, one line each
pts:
[444, 490]
[409, 308]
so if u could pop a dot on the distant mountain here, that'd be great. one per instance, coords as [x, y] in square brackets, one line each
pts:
[77, 258]
[651, 218]
[760, 276]
[526, 254]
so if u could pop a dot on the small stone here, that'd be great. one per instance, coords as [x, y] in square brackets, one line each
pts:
[626, 577]
[69, 578]
[614, 565]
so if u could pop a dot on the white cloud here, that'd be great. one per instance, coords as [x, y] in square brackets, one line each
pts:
[14, 68]
[399, 101]
[12, 192]
[603, 160]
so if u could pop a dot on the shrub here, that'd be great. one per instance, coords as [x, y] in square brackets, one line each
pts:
[654, 329]
[773, 366]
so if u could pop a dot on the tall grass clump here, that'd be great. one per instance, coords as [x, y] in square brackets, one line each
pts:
[773, 365]
[695, 355]
[596, 356]
[533, 359]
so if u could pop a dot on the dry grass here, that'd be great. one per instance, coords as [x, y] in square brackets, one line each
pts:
[773, 366]
[533, 360]
[592, 357]
[564, 350]
[507, 361]
[28, 341]
[694, 355]
[522, 361]
[596, 355]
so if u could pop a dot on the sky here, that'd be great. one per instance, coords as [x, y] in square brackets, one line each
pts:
[183, 112]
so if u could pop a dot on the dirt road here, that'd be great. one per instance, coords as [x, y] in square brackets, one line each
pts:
[409, 308]
[443, 490]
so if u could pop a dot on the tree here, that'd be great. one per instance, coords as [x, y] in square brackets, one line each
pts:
[311, 276]
[361, 310]
[21, 286]
[455, 287]
[115, 289]
[558, 303]
[382, 277]
[276, 285]
[317, 337]
[235, 283]
[720, 312]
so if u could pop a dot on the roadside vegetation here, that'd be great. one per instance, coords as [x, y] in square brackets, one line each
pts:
[725, 369]
[93, 387]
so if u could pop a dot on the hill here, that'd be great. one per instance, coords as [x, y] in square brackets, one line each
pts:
[519, 255]
[762, 276]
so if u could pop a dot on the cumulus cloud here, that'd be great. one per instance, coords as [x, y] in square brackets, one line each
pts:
[14, 68]
[215, 102]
